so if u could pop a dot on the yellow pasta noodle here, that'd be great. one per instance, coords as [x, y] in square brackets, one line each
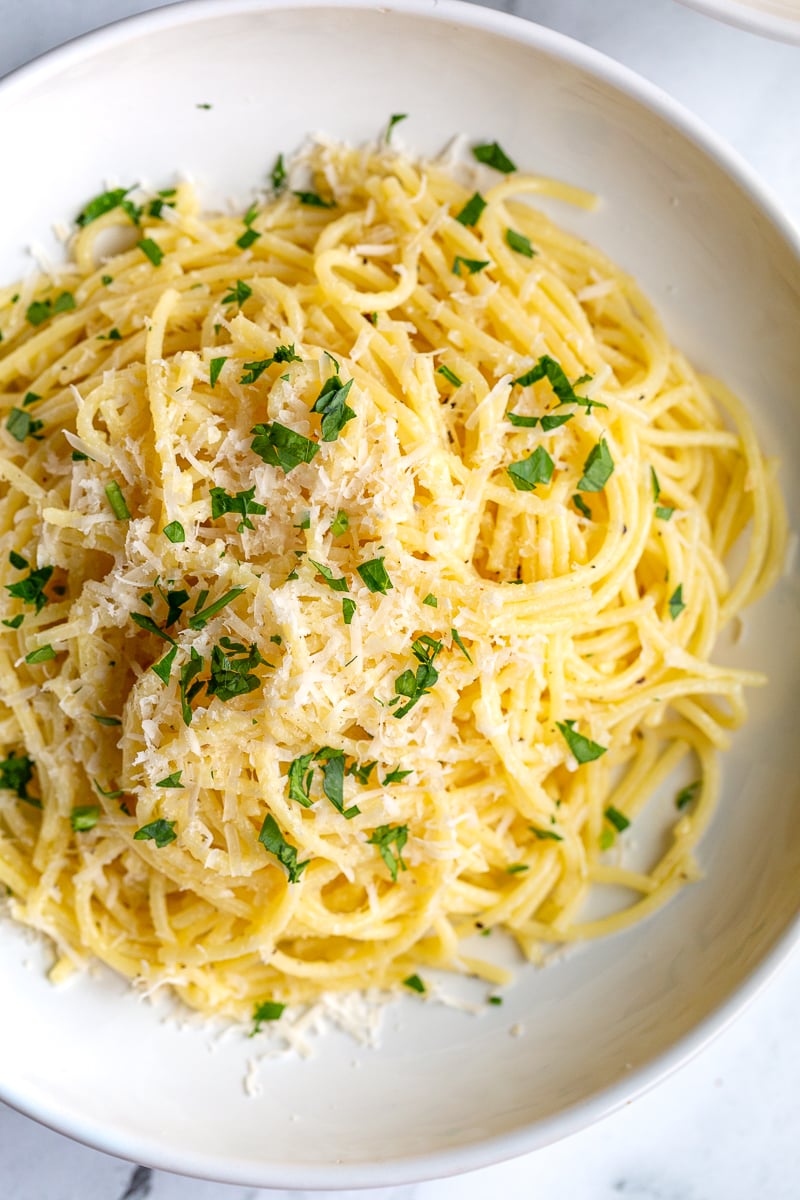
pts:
[364, 559]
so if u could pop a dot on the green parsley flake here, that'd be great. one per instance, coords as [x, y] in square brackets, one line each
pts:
[547, 368]
[242, 503]
[583, 750]
[188, 689]
[517, 868]
[676, 604]
[30, 398]
[15, 622]
[232, 664]
[431, 600]
[336, 585]
[396, 776]
[16, 772]
[348, 609]
[215, 368]
[201, 619]
[21, 425]
[386, 836]
[686, 795]
[520, 243]
[413, 686]
[175, 532]
[43, 654]
[582, 506]
[84, 817]
[269, 1010]
[521, 421]
[333, 771]
[100, 205]
[449, 375]
[116, 501]
[171, 781]
[282, 447]
[314, 200]
[42, 310]
[598, 468]
[161, 832]
[545, 834]
[331, 404]
[31, 590]
[394, 119]
[492, 155]
[460, 644]
[237, 294]
[340, 523]
[473, 265]
[470, 214]
[274, 843]
[616, 818]
[278, 175]
[375, 576]
[103, 720]
[301, 773]
[151, 250]
[248, 237]
[113, 335]
[415, 983]
[535, 469]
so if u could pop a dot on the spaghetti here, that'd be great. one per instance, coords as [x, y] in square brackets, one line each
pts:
[367, 555]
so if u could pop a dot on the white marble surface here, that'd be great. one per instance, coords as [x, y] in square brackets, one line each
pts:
[726, 1126]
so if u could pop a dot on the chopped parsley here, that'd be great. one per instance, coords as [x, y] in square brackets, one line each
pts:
[278, 175]
[598, 468]
[102, 204]
[16, 772]
[348, 609]
[395, 776]
[517, 868]
[15, 622]
[301, 773]
[188, 689]
[161, 832]
[20, 425]
[103, 720]
[240, 292]
[151, 250]
[473, 265]
[547, 368]
[386, 836]
[413, 686]
[242, 503]
[493, 155]
[282, 447]
[521, 421]
[30, 398]
[163, 668]
[375, 576]
[42, 310]
[616, 818]
[254, 370]
[449, 375]
[314, 200]
[331, 404]
[84, 817]
[232, 665]
[394, 119]
[248, 237]
[663, 512]
[415, 983]
[535, 469]
[582, 506]
[275, 843]
[175, 532]
[340, 523]
[336, 585]
[333, 780]
[269, 1010]
[116, 501]
[470, 214]
[360, 773]
[583, 750]
[43, 654]
[146, 622]
[113, 335]
[171, 781]
[545, 834]
[215, 368]
[460, 644]
[520, 243]
[676, 604]
[31, 590]
[111, 793]
[201, 619]
[686, 795]
[431, 600]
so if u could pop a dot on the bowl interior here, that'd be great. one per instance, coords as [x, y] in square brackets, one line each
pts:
[446, 1090]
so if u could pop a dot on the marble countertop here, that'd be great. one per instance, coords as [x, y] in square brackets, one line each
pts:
[724, 1127]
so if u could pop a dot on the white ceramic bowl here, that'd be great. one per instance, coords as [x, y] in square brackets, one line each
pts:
[446, 1091]
[779, 19]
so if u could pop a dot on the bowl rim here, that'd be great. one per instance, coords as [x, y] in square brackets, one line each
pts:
[742, 15]
[499, 1147]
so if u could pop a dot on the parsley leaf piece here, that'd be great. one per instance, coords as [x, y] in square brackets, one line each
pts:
[617, 819]
[375, 576]
[161, 832]
[242, 503]
[360, 773]
[30, 398]
[215, 368]
[494, 156]
[15, 622]
[582, 506]
[386, 836]
[520, 243]
[163, 668]
[395, 776]
[470, 214]
[517, 868]
[583, 750]
[415, 983]
[151, 250]
[171, 781]
[686, 795]
[521, 421]
[20, 424]
[41, 310]
[275, 843]
[286, 354]
[549, 421]
[278, 175]
[340, 523]
[535, 469]
[31, 590]
[676, 604]
[545, 834]
[282, 447]
[17, 560]
[84, 817]
[199, 620]
[449, 375]
[460, 644]
[117, 501]
[547, 368]
[598, 468]
[43, 654]
[111, 794]
[333, 785]
[473, 265]
[146, 622]
[663, 513]
[431, 600]
[348, 609]
[254, 370]
[336, 585]
[300, 775]
[16, 772]
[413, 686]
[394, 119]
[189, 690]
[314, 200]
[174, 600]
[606, 839]
[656, 486]
[331, 404]
[270, 1010]
[494, 999]
[248, 237]
[100, 205]
[231, 669]
[175, 532]
[237, 294]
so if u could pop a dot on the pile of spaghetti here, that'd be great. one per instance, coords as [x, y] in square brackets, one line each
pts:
[362, 560]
